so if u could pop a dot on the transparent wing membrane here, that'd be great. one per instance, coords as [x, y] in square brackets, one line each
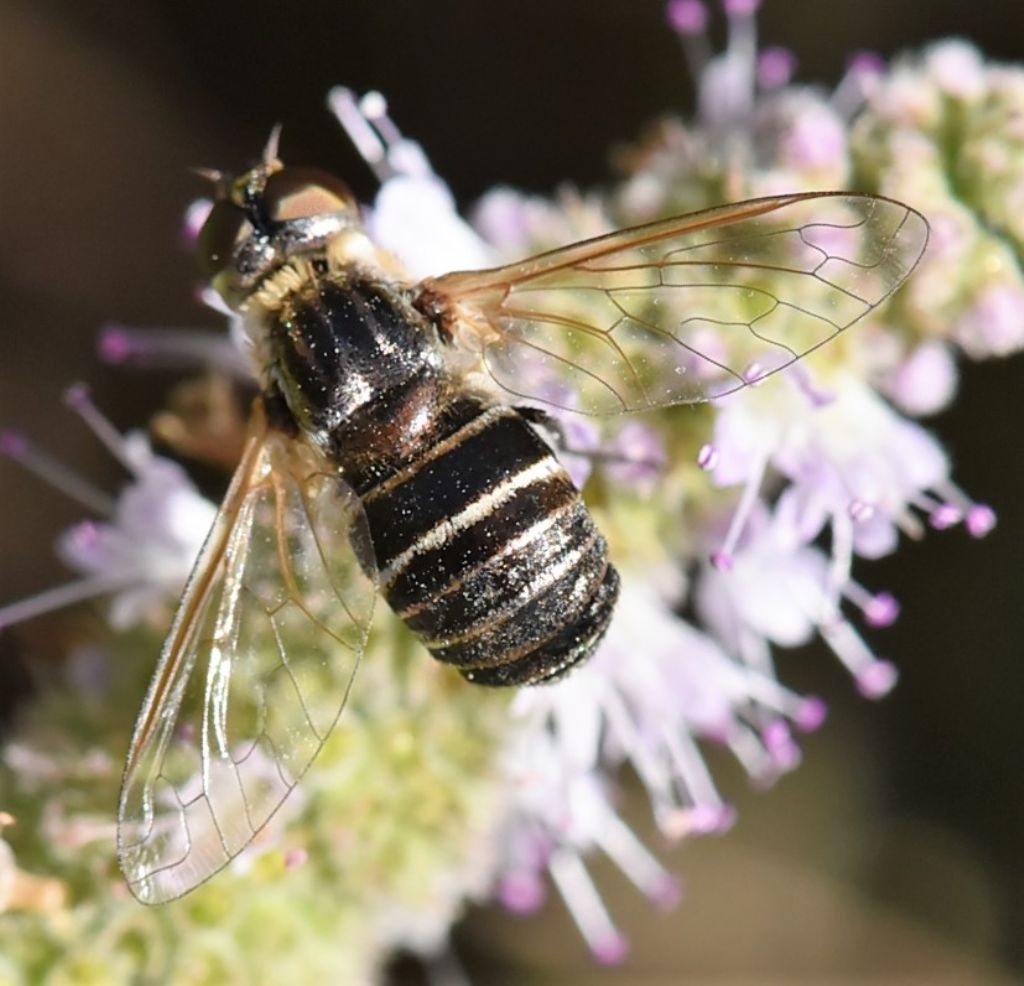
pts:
[690, 308]
[254, 673]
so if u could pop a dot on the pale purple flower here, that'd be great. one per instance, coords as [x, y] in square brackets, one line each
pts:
[655, 687]
[925, 382]
[658, 687]
[776, 67]
[813, 137]
[852, 462]
[957, 68]
[415, 218]
[749, 117]
[414, 215]
[142, 549]
[516, 224]
[503, 217]
[635, 457]
[777, 591]
[994, 326]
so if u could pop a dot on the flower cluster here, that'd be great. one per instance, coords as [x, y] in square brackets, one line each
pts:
[748, 513]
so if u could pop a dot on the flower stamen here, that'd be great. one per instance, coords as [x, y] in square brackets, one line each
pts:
[68, 594]
[17, 447]
[689, 20]
[78, 398]
[367, 142]
[586, 908]
[873, 676]
[979, 518]
[723, 557]
[775, 67]
[375, 136]
[172, 348]
[629, 854]
[880, 609]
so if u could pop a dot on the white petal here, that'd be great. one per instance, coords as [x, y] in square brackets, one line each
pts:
[415, 218]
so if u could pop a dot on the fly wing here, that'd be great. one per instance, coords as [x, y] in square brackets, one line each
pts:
[254, 674]
[686, 309]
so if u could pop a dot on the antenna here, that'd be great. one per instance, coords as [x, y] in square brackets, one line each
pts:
[270, 157]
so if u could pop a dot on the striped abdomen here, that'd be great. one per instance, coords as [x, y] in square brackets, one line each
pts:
[487, 552]
[483, 544]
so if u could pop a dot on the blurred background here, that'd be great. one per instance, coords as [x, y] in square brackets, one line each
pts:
[896, 853]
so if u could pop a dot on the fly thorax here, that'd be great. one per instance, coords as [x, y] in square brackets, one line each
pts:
[339, 341]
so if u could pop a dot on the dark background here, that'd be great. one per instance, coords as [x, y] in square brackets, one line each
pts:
[897, 849]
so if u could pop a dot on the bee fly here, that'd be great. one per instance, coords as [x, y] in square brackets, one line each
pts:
[390, 452]
[482, 544]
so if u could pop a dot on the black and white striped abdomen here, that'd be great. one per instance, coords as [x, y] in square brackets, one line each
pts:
[487, 552]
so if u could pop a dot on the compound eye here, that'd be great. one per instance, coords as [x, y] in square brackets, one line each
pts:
[223, 230]
[301, 193]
